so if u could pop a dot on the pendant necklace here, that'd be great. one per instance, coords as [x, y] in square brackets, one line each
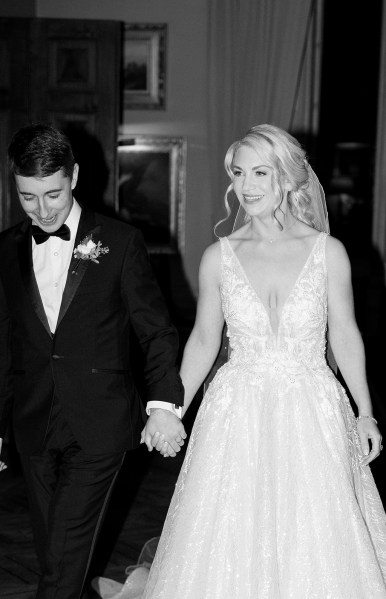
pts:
[272, 240]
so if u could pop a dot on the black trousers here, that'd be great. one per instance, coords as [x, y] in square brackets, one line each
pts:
[68, 491]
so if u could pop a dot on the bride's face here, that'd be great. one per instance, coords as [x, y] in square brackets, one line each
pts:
[253, 182]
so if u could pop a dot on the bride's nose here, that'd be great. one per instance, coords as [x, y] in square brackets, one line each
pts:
[248, 183]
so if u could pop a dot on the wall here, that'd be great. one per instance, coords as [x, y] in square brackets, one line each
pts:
[186, 109]
[21, 8]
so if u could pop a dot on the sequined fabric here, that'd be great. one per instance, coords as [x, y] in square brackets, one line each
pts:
[272, 501]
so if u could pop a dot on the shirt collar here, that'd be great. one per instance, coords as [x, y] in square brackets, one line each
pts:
[72, 220]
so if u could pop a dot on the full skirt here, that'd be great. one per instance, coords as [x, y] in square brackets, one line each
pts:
[272, 501]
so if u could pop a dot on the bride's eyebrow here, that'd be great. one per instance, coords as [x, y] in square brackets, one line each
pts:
[254, 168]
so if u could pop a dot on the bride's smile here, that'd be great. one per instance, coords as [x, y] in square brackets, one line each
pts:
[253, 182]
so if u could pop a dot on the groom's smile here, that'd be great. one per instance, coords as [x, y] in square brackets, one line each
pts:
[47, 200]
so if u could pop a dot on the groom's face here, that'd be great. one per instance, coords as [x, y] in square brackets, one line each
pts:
[47, 200]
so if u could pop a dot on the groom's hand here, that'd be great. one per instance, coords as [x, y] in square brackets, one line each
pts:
[2, 464]
[164, 431]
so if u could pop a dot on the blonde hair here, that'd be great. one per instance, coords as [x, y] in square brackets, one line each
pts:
[290, 166]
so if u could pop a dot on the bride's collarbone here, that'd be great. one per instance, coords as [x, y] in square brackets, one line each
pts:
[278, 258]
[274, 277]
[274, 270]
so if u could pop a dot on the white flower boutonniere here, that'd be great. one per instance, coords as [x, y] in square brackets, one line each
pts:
[89, 250]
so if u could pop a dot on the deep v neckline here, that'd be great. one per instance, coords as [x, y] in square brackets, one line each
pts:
[292, 290]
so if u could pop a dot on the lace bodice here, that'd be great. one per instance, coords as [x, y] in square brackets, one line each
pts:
[300, 340]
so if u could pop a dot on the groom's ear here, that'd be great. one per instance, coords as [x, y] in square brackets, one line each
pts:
[75, 174]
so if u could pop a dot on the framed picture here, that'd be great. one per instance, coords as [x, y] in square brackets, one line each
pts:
[151, 189]
[143, 66]
[72, 64]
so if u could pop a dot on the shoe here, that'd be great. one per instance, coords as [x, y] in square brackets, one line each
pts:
[132, 588]
[105, 587]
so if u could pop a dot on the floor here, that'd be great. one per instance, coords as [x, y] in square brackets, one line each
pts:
[136, 514]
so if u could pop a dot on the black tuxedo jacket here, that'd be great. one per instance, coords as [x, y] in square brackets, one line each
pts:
[86, 361]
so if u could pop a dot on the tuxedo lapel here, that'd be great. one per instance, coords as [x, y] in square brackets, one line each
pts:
[77, 268]
[24, 248]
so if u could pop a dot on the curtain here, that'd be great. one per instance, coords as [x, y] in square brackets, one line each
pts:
[264, 67]
[379, 201]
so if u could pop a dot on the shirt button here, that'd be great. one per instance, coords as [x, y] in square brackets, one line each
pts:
[56, 253]
[56, 284]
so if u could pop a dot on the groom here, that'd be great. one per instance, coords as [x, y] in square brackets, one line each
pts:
[73, 284]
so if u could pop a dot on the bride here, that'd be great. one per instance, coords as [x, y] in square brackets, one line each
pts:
[275, 499]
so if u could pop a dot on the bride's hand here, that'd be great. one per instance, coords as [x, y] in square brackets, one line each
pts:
[368, 431]
[164, 432]
[2, 464]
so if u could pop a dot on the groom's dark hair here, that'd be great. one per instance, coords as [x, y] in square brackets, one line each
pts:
[40, 150]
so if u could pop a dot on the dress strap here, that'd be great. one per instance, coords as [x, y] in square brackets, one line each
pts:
[224, 243]
[322, 250]
[226, 255]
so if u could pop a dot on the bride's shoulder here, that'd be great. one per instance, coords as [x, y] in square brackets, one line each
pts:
[336, 255]
[210, 265]
[211, 257]
[334, 247]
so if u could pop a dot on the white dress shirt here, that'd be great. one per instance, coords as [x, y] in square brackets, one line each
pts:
[51, 261]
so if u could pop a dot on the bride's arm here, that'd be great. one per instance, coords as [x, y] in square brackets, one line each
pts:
[203, 344]
[347, 344]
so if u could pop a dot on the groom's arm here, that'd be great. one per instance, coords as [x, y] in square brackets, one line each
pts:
[157, 337]
[150, 320]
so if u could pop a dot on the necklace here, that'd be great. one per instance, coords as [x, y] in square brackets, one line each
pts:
[273, 240]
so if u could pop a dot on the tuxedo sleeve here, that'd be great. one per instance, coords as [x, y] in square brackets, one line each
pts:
[151, 323]
[6, 386]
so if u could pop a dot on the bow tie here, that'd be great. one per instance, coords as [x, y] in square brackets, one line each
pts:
[41, 236]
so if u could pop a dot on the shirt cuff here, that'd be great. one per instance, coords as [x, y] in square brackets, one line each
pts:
[164, 405]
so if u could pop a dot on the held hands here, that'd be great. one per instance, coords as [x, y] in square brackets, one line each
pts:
[163, 431]
[369, 431]
[2, 464]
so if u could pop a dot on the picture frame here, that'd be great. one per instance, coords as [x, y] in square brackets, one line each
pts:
[151, 189]
[72, 64]
[144, 66]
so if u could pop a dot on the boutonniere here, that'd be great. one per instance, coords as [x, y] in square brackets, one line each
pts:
[89, 250]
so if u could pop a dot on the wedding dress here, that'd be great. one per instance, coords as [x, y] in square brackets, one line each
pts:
[272, 501]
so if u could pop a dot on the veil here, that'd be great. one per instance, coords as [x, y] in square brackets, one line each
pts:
[314, 214]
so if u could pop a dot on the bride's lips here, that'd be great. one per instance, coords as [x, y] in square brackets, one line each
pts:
[251, 199]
